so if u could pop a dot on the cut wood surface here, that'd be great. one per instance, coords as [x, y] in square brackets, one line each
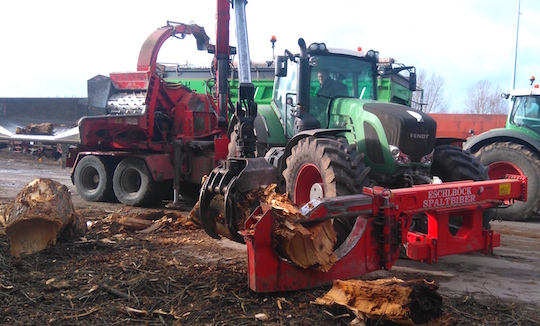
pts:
[306, 246]
[404, 302]
[36, 129]
[41, 212]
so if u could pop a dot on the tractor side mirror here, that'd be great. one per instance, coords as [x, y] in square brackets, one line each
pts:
[281, 66]
[412, 81]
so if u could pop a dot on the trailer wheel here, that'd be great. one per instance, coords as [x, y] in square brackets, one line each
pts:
[133, 184]
[510, 158]
[451, 163]
[325, 167]
[93, 179]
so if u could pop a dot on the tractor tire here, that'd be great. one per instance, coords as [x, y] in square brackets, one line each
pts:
[93, 179]
[511, 158]
[133, 184]
[325, 167]
[451, 163]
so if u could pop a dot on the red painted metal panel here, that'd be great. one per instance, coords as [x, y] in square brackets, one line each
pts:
[372, 247]
[130, 80]
[458, 125]
[160, 166]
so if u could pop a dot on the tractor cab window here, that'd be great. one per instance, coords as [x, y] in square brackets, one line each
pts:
[337, 77]
[525, 112]
[285, 97]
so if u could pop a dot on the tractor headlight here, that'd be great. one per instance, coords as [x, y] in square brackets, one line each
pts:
[317, 48]
[400, 157]
[427, 159]
[373, 54]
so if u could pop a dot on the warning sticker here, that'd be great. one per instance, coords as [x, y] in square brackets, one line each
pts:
[504, 189]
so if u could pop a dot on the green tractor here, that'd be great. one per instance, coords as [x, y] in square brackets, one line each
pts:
[330, 140]
[331, 144]
[334, 141]
[515, 149]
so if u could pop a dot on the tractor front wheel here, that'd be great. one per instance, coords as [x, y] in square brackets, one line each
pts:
[133, 184]
[510, 158]
[325, 167]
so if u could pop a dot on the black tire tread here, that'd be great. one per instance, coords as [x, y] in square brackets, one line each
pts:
[149, 197]
[452, 163]
[522, 210]
[343, 169]
[106, 192]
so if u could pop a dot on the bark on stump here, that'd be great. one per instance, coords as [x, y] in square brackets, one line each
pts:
[405, 302]
[41, 212]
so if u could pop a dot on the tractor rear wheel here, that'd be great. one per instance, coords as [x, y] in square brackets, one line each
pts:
[510, 158]
[93, 179]
[133, 184]
[325, 167]
[451, 163]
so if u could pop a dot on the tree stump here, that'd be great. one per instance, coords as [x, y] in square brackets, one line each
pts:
[41, 212]
[404, 302]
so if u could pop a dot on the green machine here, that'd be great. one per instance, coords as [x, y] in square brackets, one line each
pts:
[334, 144]
[202, 80]
[515, 149]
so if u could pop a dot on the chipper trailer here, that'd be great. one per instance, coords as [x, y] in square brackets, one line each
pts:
[374, 169]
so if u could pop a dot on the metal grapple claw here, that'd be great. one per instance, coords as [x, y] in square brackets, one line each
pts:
[233, 180]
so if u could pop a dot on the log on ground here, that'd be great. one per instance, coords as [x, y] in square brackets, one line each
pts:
[404, 302]
[42, 211]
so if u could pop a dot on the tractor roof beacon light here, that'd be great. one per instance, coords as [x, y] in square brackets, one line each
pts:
[273, 40]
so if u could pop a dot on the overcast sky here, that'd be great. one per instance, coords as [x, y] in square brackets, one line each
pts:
[51, 48]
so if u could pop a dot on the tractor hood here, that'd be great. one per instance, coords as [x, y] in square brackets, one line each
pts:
[412, 131]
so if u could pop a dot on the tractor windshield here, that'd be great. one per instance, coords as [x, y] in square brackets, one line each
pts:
[332, 76]
[342, 76]
[525, 112]
[336, 76]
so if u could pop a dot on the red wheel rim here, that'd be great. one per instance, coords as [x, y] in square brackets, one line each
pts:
[308, 175]
[499, 170]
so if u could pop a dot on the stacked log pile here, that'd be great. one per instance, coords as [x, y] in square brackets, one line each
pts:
[36, 129]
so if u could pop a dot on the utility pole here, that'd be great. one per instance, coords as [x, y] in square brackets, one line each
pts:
[515, 51]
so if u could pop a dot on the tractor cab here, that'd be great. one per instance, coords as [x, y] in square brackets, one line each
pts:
[525, 109]
[331, 74]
